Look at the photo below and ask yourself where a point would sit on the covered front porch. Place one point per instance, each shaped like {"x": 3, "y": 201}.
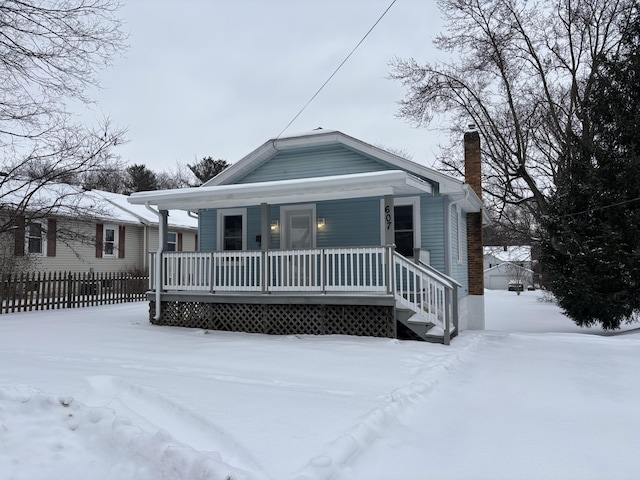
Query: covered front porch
{"x": 372, "y": 291}
{"x": 271, "y": 266}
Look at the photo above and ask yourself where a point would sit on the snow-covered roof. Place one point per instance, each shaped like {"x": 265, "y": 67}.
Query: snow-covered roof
{"x": 507, "y": 266}
{"x": 63, "y": 200}
{"x": 510, "y": 253}
{"x": 390, "y": 182}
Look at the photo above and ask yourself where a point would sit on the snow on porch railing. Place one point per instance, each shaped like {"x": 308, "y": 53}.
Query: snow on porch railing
{"x": 311, "y": 270}
{"x": 425, "y": 292}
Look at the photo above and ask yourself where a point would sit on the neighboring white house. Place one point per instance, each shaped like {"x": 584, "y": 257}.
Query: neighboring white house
{"x": 507, "y": 264}
{"x": 90, "y": 231}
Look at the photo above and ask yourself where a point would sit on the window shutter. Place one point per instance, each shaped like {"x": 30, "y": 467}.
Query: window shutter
{"x": 196, "y": 249}
{"x": 99, "y": 233}
{"x": 52, "y": 227}
{"x": 179, "y": 241}
{"x": 19, "y": 248}
{"x": 121, "y": 241}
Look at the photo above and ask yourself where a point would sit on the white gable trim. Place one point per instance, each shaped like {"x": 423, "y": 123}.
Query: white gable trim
{"x": 447, "y": 184}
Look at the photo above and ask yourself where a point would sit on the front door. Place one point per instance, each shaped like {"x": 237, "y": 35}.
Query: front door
{"x": 299, "y": 233}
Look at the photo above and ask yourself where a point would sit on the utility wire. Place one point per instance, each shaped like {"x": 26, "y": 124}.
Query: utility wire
{"x": 591, "y": 210}
{"x": 336, "y": 70}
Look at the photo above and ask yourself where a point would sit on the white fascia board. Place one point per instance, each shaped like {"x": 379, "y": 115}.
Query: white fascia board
{"x": 394, "y": 182}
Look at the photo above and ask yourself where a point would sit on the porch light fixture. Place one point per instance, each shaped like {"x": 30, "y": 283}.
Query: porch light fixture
{"x": 320, "y": 223}
{"x": 275, "y": 226}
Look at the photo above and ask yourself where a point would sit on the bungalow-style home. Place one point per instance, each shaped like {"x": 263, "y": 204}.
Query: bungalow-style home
{"x": 64, "y": 228}
{"x": 507, "y": 267}
{"x": 321, "y": 233}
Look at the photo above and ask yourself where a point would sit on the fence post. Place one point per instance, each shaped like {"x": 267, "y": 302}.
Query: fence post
{"x": 70, "y": 291}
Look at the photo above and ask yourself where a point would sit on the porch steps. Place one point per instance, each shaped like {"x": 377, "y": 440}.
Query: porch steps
{"x": 415, "y": 326}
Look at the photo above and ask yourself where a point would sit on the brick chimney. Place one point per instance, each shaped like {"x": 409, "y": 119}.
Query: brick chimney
{"x": 473, "y": 177}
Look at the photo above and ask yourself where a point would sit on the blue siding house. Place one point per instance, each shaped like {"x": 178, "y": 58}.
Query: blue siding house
{"x": 322, "y": 233}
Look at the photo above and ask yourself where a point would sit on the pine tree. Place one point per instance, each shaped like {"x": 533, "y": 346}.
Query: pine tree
{"x": 141, "y": 179}
{"x": 591, "y": 249}
{"x": 207, "y": 168}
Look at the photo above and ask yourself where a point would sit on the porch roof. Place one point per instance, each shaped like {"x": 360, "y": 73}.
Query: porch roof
{"x": 335, "y": 187}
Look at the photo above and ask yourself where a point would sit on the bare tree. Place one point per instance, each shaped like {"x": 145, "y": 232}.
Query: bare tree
{"x": 522, "y": 76}
{"x": 50, "y": 54}
{"x": 179, "y": 177}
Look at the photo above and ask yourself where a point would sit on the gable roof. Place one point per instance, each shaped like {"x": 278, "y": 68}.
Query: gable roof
{"x": 226, "y": 190}
{"x": 507, "y": 265}
{"x": 512, "y": 253}
{"x": 321, "y": 137}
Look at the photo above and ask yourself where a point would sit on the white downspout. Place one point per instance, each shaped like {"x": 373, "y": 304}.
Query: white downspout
{"x": 158, "y": 280}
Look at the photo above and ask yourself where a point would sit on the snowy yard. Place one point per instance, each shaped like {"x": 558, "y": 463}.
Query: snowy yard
{"x": 98, "y": 393}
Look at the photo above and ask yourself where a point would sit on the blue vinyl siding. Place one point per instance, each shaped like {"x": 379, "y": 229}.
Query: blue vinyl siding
{"x": 207, "y": 224}
{"x": 459, "y": 270}
{"x": 349, "y": 223}
{"x": 317, "y": 162}
{"x": 432, "y": 233}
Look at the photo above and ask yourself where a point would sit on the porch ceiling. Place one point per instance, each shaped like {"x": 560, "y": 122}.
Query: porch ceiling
{"x": 335, "y": 187}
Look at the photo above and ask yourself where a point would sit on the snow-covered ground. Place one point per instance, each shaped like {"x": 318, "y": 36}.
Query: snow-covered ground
{"x": 99, "y": 393}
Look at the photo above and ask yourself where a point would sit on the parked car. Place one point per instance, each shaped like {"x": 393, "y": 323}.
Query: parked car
{"x": 515, "y": 286}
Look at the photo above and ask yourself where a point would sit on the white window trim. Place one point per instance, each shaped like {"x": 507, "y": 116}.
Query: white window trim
{"x": 221, "y": 213}
{"x": 116, "y": 234}
{"x": 43, "y": 238}
{"x": 417, "y": 219}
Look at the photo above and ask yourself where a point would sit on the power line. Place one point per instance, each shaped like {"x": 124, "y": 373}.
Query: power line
{"x": 591, "y": 210}
{"x": 336, "y": 70}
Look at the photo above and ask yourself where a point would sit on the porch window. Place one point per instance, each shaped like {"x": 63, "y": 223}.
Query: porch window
{"x": 172, "y": 242}
{"x": 232, "y": 229}
{"x": 34, "y": 239}
{"x": 404, "y": 229}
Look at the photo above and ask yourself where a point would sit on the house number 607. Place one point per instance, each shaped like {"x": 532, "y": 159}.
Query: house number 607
{"x": 387, "y": 216}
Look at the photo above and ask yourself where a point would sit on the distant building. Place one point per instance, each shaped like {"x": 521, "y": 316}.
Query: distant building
{"x": 507, "y": 267}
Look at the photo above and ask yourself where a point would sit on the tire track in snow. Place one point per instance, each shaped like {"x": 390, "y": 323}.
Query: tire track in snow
{"x": 157, "y": 412}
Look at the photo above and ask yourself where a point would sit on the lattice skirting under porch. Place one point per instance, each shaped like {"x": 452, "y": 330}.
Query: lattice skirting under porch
{"x": 279, "y": 319}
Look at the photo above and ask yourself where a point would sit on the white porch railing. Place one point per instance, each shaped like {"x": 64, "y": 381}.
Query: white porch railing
{"x": 425, "y": 292}
{"x": 429, "y": 294}
{"x": 313, "y": 270}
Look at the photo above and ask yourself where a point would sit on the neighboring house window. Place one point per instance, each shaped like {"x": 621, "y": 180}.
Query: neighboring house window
{"x": 172, "y": 242}
{"x": 110, "y": 241}
{"x": 232, "y": 229}
{"x": 35, "y": 239}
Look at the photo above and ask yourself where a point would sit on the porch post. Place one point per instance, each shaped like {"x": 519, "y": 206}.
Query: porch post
{"x": 388, "y": 225}
{"x": 162, "y": 247}
{"x": 265, "y": 242}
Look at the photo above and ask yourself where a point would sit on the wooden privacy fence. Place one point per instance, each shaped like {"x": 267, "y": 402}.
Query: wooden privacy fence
{"x": 22, "y": 292}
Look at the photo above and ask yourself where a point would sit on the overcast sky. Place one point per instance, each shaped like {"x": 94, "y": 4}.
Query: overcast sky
{"x": 219, "y": 78}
